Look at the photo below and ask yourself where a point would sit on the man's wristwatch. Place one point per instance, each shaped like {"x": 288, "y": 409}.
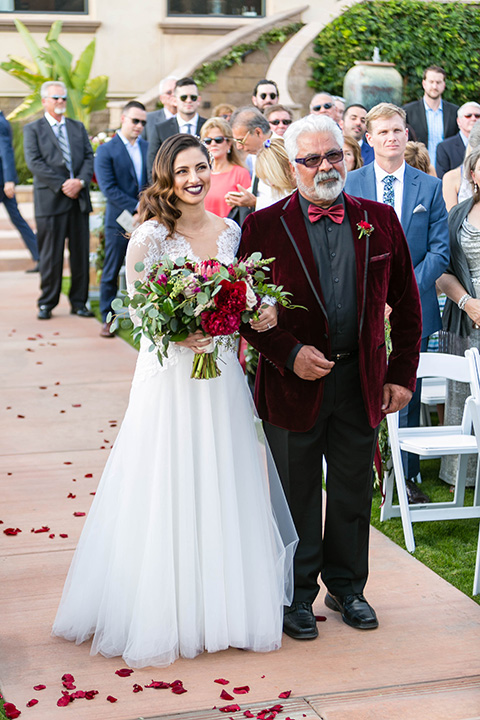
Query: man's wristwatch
{"x": 82, "y": 181}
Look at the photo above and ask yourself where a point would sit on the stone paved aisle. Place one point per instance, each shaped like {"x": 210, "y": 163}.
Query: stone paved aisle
{"x": 63, "y": 393}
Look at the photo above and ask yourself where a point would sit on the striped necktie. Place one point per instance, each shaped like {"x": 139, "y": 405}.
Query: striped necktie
{"x": 388, "y": 191}
{"x": 64, "y": 146}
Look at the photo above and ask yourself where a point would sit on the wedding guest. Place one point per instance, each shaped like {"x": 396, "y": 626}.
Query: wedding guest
{"x": 166, "y": 95}
{"x": 273, "y": 168}
{"x": 456, "y": 185}
{"x": 265, "y": 93}
{"x": 339, "y": 103}
{"x": 324, "y": 382}
{"x": 352, "y": 153}
{"x": 323, "y": 103}
{"x": 228, "y": 169}
{"x": 224, "y": 110}
{"x": 451, "y": 152}
{"x": 8, "y": 180}
{"x": 204, "y": 564}
{"x": 279, "y": 117}
{"x": 60, "y": 157}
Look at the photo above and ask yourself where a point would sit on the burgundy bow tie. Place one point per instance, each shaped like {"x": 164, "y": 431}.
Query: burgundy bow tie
{"x": 335, "y": 213}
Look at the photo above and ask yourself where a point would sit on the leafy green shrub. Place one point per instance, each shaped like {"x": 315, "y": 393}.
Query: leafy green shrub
{"x": 410, "y": 33}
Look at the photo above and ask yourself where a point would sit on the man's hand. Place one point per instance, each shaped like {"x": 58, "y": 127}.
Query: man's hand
{"x": 395, "y": 397}
{"x": 9, "y": 190}
{"x": 311, "y": 364}
{"x": 71, "y": 188}
{"x": 240, "y": 198}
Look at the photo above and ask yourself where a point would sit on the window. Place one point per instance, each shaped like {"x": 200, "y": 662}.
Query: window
{"x": 44, "y": 6}
{"x": 246, "y": 8}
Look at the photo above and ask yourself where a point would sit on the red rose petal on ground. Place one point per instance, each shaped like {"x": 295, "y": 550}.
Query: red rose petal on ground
{"x": 69, "y": 686}
{"x": 63, "y": 535}
{"x": 43, "y": 387}
{"x": 137, "y": 688}
{"x": 39, "y": 362}
{"x": 277, "y": 708}
{"x": 221, "y": 681}
{"x": 158, "y": 685}
{"x": 90, "y": 694}
{"x": 80, "y": 405}
{"x": 43, "y": 529}
{"x": 11, "y": 711}
{"x": 52, "y": 535}
{"x": 320, "y": 618}
{"x": 22, "y": 417}
{"x": 68, "y": 678}
{"x": 224, "y": 695}
{"x": 12, "y": 531}
{"x": 67, "y": 462}
{"x": 79, "y": 514}
{"x": 242, "y": 690}
{"x": 111, "y": 699}
{"x": 39, "y": 687}
{"x": 177, "y": 687}
{"x": 88, "y": 475}
{"x": 63, "y": 701}
{"x": 230, "y": 708}
{"x": 92, "y": 493}
{"x": 286, "y": 694}
{"x": 248, "y": 714}
{"x": 78, "y": 694}
{"x": 71, "y": 495}
{"x": 62, "y": 411}
{"x": 124, "y": 672}
{"x": 32, "y": 702}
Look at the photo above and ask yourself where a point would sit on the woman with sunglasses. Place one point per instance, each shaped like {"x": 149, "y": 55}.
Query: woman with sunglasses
{"x": 228, "y": 169}
{"x": 181, "y": 551}
{"x": 279, "y": 117}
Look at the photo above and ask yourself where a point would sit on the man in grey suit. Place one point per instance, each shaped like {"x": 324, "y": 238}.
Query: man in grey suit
{"x": 451, "y": 152}
{"x": 166, "y": 94}
{"x": 187, "y": 119}
{"x": 418, "y": 201}
{"x": 60, "y": 157}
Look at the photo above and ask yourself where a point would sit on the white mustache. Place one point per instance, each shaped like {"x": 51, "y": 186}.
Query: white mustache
{"x": 328, "y": 175}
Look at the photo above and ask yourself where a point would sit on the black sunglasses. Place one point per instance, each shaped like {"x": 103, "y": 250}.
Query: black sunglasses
{"x": 184, "y": 98}
{"x": 218, "y": 140}
{"x": 57, "y": 97}
{"x": 135, "y": 121}
{"x": 327, "y": 106}
{"x": 469, "y": 115}
{"x": 312, "y": 161}
{"x": 272, "y": 96}
{"x": 277, "y": 122}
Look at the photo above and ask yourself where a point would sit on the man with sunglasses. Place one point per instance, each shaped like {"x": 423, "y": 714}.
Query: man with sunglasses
{"x": 265, "y": 93}
{"x": 323, "y": 104}
{"x": 451, "y": 152}
{"x": 121, "y": 172}
{"x": 60, "y": 157}
{"x": 187, "y": 120}
{"x": 432, "y": 118}
{"x": 323, "y": 382}
{"x": 166, "y": 95}
{"x": 279, "y": 118}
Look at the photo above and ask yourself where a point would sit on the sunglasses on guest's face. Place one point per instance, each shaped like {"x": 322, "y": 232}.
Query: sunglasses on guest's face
{"x": 313, "y": 161}
{"x": 184, "y": 98}
{"x": 475, "y": 115}
{"x": 135, "y": 121}
{"x": 272, "y": 96}
{"x": 218, "y": 140}
{"x": 62, "y": 97}
{"x": 283, "y": 122}
{"x": 327, "y": 106}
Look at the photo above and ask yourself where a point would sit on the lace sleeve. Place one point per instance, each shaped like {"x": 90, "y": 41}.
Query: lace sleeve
{"x": 145, "y": 247}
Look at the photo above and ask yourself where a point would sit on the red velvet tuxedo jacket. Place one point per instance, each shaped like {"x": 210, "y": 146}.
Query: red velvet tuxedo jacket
{"x": 384, "y": 275}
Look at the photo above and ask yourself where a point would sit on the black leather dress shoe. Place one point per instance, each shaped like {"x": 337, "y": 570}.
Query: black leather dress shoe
{"x": 82, "y": 311}
{"x": 355, "y": 610}
{"x": 414, "y": 494}
{"x": 44, "y": 313}
{"x": 299, "y": 621}
{"x": 34, "y": 269}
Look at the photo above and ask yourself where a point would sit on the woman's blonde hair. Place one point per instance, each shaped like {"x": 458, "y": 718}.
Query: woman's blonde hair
{"x": 273, "y": 166}
{"x": 416, "y": 155}
{"x": 356, "y": 150}
{"x": 469, "y": 165}
{"x": 233, "y": 156}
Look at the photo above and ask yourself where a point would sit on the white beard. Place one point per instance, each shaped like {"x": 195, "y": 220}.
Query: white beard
{"x": 327, "y": 192}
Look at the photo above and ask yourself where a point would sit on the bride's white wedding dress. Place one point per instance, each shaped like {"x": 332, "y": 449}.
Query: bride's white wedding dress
{"x": 181, "y": 551}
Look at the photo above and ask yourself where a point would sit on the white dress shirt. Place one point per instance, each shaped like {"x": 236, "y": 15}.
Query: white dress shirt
{"x": 135, "y": 155}
{"x": 397, "y": 185}
{"x": 182, "y": 124}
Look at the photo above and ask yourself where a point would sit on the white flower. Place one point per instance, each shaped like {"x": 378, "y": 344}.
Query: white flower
{"x": 250, "y": 298}
{"x": 102, "y": 136}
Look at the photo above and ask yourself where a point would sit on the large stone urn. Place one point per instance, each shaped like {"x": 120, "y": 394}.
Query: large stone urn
{"x": 370, "y": 82}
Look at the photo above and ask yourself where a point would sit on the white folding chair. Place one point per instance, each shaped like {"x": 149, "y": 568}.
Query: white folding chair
{"x": 435, "y": 442}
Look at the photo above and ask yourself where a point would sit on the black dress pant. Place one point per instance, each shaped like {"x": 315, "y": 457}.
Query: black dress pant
{"x": 343, "y": 435}
{"x": 51, "y": 233}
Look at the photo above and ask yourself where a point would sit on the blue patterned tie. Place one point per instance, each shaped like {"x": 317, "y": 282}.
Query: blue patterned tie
{"x": 388, "y": 191}
{"x": 189, "y": 128}
{"x": 64, "y": 147}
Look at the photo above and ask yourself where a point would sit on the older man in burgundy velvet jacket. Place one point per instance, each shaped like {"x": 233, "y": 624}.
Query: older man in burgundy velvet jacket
{"x": 323, "y": 383}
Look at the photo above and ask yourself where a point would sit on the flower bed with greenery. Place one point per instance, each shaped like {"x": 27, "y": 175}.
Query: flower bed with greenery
{"x": 410, "y": 33}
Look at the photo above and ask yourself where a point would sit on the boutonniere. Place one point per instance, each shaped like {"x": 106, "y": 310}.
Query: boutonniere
{"x": 364, "y": 228}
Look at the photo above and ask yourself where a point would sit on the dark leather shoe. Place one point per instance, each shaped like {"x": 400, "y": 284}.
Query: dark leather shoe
{"x": 34, "y": 269}
{"x": 82, "y": 311}
{"x": 44, "y": 313}
{"x": 299, "y": 621}
{"x": 355, "y": 610}
{"x": 105, "y": 331}
{"x": 414, "y": 494}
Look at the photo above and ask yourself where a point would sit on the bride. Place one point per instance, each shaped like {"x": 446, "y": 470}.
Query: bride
{"x": 181, "y": 551}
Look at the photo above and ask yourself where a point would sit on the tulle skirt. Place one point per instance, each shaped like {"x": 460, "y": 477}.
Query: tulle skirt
{"x": 188, "y": 545}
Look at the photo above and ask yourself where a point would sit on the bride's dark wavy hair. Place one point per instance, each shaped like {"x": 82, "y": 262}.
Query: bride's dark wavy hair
{"x": 158, "y": 201}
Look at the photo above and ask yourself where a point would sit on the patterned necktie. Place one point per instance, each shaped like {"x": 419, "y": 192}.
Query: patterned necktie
{"x": 335, "y": 213}
{"x": 64, "y": 147}
{"x": 388, "y": 191}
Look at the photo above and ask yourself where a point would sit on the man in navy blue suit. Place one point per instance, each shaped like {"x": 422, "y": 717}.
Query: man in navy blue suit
{"x": 418, "y": 201}
{"x": 8, "y": 180}
{"x": 121, "y": 172}
{"x": 354, "y": 124}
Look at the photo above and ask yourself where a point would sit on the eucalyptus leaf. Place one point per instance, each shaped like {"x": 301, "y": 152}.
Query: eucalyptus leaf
{"x": 202, "y": 298}
{"x": 153, "y": 312}
{"x": 117, "y": 305}
{"x": 139, "y": 266}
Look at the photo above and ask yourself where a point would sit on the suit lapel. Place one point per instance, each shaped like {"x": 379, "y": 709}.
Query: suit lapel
{"x": 369, "y": 190}
{"x": 49, "y": 135}
{"x": 356, "y": 214}
{"x": 294, "y": 224}
{"x": 127, "y": 160}
{"x": 411, "y": 187}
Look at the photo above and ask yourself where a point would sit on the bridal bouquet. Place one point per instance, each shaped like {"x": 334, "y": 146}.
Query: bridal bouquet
{"x": 178, "y": 297}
